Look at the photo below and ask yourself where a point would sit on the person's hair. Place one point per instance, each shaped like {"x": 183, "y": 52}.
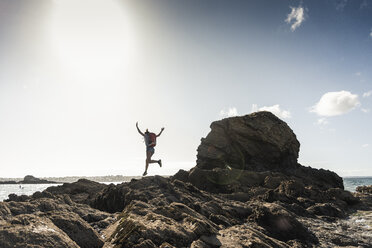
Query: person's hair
{"x": 147, "y": 131}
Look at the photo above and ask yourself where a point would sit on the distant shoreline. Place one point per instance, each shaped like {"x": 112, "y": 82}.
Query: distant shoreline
{"x": 71, "y": 179}
{"x": 110, "y": 178}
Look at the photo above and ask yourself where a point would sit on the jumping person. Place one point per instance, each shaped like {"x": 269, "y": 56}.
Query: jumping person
{"x": 150, "y": 142}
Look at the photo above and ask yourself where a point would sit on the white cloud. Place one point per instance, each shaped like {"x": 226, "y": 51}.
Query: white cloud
{"x": 322, "y": 121}
{"x": 229, "y": 113}
{"x": 365, "y": 110}
{"x": 296, "y": 17}
{"x": 358, "y": 73}
{"x": 370, "y": 34}
{"x": 365, "y": 145}
{"x": 275, "y": 109}
{"x": 367, "y": 94}
{"x": 336, "y": 103}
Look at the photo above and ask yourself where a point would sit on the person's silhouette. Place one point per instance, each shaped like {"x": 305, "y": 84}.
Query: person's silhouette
{"x": 150, "y": 142}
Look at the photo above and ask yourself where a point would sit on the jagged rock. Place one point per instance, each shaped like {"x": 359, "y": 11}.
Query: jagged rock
{"x": 17, "y": 198}
{"x": 250, "y": 151}
{"x": 258, "y": 141}
{"x": 33, "y": 231}
{"x": 291, "y": 188}
{"x": 82, "y": 191}
{"x": 54, "y": 214}
{"x": 166, "y": 245}
{"x": 44, "y": 194}
{"x": 77, "y": 229}
{"x": 272, "y": 182}
{"x": 364, "y": 189}
{"x": 199, "y": 244}
{"x": 175, "y": 224}
{"x": 326, "y": 209}
{"x": 247, "y": 236}
{"x": 145, "y": 244}
{"x": 342, "y": 195}
{"x": 280, "y": 224}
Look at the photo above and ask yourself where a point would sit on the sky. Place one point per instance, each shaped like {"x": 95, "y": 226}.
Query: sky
{"x": 75, "y": 77}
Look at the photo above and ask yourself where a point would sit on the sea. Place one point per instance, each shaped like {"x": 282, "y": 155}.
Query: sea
{"x": 350, "y": 184}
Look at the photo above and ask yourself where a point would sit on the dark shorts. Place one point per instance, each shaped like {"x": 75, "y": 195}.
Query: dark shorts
{"x": 150, "y": 149}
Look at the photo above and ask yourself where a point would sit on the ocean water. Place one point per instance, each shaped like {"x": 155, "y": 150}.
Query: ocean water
{"x": 27, "y": 189}
{"x": 350, "y": 184}
{"x": 24, "y": 189}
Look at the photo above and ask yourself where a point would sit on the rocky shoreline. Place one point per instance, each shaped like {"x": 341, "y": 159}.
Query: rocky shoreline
{"x": 246, "y": 190}
{"x": 29, "y": 180}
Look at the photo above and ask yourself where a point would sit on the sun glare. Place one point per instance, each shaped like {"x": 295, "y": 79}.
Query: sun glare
{"x": 92, "y": 38}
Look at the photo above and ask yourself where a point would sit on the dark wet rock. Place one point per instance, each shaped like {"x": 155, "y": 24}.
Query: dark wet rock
{"x": 44, "y": 194}
{"x": 82, "y": 191}
{"x": 342, "y": 195}
{"x": 259, "y": 142}
{"x": 166, "y": 245}
{"x": 280, "y": 224}
{"x": 364, "y": 189}
{"x": 256, "y": 150}
{"x": 34, "y": 180}
{"x": 326, "y": 209}
{"x": 146, "y": 244}
{"x": 77, "y": 229}
{"x": 17, "y": 198}
{"x": 54, "y": 220}
{"x": 175, "y": 224}
{"x": 247, "y": 236}
{"x": 33, "y": 231}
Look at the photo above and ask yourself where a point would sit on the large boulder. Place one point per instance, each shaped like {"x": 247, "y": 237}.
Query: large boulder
{"x": 259, "y": 141}
{"x": 253, "y": 150}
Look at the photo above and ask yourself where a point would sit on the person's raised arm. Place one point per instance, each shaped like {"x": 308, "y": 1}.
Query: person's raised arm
{"x": 139, "y": 129}
{"x": 162, "y": 129}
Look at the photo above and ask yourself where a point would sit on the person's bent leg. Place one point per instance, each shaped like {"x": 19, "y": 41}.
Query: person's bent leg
{"x": 148, "y": 159}
{"x": 149, "y": 155}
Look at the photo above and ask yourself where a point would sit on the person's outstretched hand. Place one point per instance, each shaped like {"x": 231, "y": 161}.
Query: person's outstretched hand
{"x": 162, "y": 128}
{"x": 137, "y": 124}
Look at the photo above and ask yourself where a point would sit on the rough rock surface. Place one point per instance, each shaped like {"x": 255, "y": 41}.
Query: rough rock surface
{"x": 32, "y": 231}
{"x": 83, "y": 191}
{"x": 241, "y": 151}
{"x": 247, "y": 190}
{"x": 364, "y": 189}
{"x": 46, "y": 220}
{"x": 260, "y": 141}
